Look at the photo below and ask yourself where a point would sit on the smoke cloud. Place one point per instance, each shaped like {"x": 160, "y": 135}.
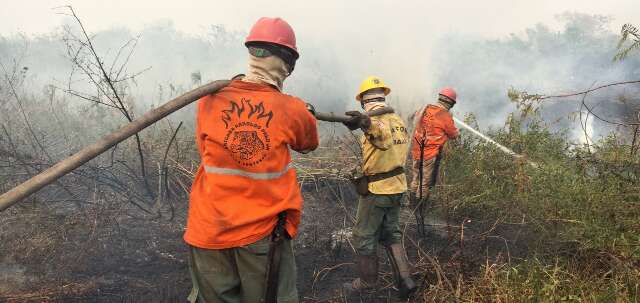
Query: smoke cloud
{"x": 417, "y": 47}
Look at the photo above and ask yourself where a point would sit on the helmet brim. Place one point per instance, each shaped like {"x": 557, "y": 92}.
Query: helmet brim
{"x": 254, "y": 42}
{"x": 446, "y": 98}
{"x": 387, "y": 91}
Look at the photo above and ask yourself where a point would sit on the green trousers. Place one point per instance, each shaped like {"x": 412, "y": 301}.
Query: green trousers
{"x": 236, "y": 275}
{"x": 377, "y": 220}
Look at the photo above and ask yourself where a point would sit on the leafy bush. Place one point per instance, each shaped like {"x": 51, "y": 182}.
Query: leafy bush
{"x": 570, "y": 220}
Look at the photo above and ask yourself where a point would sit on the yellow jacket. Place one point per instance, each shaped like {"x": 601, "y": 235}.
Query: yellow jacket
{"x": 384, "y": 148}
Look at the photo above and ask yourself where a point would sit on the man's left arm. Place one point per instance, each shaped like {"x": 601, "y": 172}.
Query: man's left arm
{"x": 305, "y": 130}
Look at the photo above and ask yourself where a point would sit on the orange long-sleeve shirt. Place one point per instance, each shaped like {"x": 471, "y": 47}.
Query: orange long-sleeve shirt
{"x": 244, "y": 133}
{"x": 433, "y": 128}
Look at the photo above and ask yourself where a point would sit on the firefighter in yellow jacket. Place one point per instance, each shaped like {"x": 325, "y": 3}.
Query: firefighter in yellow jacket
{"x": 384, "y": 146}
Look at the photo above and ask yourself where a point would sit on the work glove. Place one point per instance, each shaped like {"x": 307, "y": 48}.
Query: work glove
{"x": 358, "y": 120}
{"x": 311, "y": 109}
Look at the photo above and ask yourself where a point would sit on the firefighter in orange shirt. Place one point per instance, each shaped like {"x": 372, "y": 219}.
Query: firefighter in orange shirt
{"x": 433, "y": 127}
{"x": 245, "y": 202}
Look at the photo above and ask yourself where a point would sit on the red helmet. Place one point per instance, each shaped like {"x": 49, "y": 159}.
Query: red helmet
{"x": 449, "y": 93}
{"x": 273, "y": 30}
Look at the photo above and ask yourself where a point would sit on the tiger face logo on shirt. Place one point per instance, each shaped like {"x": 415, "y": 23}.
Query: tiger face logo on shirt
{"x": 247, "y": 138}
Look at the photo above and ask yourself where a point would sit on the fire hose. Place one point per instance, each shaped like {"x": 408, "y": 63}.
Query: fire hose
{"x": 91, "y": 151}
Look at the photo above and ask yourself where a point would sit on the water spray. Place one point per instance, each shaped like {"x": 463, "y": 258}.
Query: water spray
{"x": 487, "y": 139}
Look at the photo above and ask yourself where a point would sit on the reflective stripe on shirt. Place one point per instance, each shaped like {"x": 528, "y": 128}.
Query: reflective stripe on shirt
{"x": 242, "y": 173}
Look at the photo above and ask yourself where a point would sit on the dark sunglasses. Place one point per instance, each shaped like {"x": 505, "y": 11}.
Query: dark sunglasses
{"x": 267, "y": 50}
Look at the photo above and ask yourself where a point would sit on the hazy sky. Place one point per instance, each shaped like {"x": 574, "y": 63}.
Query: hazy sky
{"x": 328, "y": 17}
{"x": 388, "y": 38}
{"x": 392, "y": 39}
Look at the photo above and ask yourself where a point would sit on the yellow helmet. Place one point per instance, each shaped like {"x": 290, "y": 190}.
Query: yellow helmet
{"x": 370, "y": 83}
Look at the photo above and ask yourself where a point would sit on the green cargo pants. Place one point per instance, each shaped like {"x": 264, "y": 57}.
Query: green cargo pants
{"x": 377, "y": 220}
{"x": 236, "y": 275}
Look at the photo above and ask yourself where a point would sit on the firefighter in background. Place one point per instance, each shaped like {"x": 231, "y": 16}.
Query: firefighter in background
{"x": 433, "y": 127}
{"x": 245, "y": 202}
{"x": 384, "y": 146}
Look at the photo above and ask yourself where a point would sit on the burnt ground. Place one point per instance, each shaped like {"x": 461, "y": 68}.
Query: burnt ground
{"x": 103, "y": 252}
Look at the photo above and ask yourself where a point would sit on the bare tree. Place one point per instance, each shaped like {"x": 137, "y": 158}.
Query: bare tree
{"x": 109, "y": 80}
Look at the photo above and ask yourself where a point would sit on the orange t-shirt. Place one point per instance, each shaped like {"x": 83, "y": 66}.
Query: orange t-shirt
{"x": 436, "y": 124}
{"x": 245, "y": 178}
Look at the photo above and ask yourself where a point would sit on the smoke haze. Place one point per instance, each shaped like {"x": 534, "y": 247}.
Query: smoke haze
{"x": 416, "y": 46}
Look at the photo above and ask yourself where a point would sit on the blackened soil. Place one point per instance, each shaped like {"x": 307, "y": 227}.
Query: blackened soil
{"x": 107, "y": 252}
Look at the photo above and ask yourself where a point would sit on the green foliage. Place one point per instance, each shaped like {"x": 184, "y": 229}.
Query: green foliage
{"x": 535, "y": 280}
{"x": 628, "y": 33}
{"x": 576, "y": 215}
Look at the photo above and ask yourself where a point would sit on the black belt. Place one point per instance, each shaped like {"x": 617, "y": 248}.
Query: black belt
{"x": 386, "y": 175}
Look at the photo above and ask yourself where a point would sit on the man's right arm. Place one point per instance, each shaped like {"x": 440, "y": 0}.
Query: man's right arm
{"x": 379, "y": 134}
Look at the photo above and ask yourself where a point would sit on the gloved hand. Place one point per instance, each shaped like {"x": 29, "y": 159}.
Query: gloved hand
{"x": 311, "y": 109}
{"x": 358, "y": 120}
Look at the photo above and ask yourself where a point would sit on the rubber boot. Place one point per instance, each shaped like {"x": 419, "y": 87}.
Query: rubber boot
{"x": 401, "y": 272}
{"x": 366, "y": 283}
